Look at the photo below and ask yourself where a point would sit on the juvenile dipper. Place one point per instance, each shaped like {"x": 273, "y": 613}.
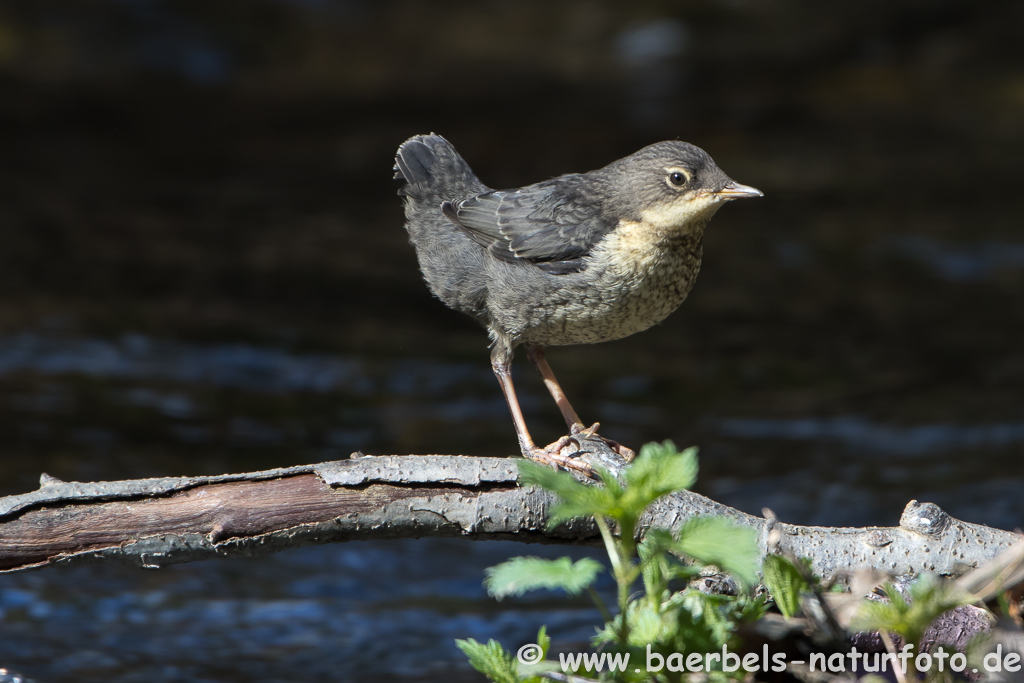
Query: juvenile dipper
{"x": 578, "y": 259}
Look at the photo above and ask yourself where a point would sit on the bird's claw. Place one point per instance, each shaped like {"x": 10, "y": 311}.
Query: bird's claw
{"x": 625, "y": 452}
{"x": 585, "y": 432}
{"x": 590, "y": 432}
{"x": 552, "y": 455}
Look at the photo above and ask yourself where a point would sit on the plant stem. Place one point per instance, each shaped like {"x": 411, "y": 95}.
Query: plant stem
{"x": 609, "y": 545}
{"x": 621, "y": 570}
{"x": 605, "y": 614}
{"x": 898, "y": 670}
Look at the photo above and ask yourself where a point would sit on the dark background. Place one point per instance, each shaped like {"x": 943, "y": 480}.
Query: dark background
{"x": 203, "y": 269}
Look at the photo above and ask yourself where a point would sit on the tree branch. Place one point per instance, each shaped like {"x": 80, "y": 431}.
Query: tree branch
{"x": 156, "y": 522}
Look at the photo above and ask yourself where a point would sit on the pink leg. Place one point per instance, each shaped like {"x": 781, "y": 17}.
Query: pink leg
{"x": 550, "y": 455}
{"x": 576, "y": 426}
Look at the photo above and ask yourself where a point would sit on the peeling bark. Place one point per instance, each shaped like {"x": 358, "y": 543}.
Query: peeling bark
{"x": 155, "y": 522}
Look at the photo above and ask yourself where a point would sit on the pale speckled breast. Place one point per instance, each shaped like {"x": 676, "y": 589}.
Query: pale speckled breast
{"x": 633, "y": 281}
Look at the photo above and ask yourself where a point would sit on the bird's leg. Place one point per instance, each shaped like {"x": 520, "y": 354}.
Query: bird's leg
{"x": 551, "y": 455}
{"x": 576, "y": 426}
{"x": 536, "y": 354}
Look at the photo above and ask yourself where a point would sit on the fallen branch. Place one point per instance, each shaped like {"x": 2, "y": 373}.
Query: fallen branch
{"x": 155, "y": 522}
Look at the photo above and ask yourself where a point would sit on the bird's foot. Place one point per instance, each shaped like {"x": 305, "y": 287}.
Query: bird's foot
{"x": 552, "y": 455}
{"x": 579, "y": 431}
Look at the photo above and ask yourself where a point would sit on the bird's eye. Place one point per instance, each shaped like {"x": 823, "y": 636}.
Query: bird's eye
{"x": 677, "y": 179}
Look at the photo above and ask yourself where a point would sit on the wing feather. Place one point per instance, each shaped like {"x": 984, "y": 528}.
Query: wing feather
{"x": 553, "y": 224}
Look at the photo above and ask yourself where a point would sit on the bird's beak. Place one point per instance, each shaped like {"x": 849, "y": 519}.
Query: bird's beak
{"x": 734, "y": 190}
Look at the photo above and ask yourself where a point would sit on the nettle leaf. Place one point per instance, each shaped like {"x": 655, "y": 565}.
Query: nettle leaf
{"x": 691, "y": 634}
{"x": 522, "y": 574}
{"x": 576, "y": 499}
{"x": 557, "y": 481}
{"x": 659, "y": 470}
{"x": 751, "y": 609}
{"x": 655, "y": 564}
{"x": 723, "y": 543}
{"x": 930, "y": 597}
{"x": 716, "y": 611}
{"x": 492, "y": 660}
{"x": 646, "y": 624}
{"x": 785, "y": 582}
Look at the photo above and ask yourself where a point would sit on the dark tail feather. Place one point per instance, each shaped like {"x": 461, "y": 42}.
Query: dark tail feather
{"x": 433, "y": 170}
{"x": 413, "y": 161}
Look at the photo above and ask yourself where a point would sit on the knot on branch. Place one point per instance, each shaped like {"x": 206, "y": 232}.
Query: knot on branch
{"x": 927, "y": 519}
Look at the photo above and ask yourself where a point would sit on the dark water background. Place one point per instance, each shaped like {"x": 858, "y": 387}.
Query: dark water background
{"x": 203, "y": 270}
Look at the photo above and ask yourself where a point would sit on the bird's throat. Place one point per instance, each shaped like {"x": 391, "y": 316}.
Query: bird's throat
{"x": 640, "y": 249}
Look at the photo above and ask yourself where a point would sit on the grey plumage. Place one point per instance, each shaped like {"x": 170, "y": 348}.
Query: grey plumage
{"x": 581, "y": 258}
{"x": 553, "y": 224}
{"x": 453, "y": 266}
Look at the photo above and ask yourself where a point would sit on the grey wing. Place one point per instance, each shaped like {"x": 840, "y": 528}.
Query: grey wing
{"x": 552, "y": 224}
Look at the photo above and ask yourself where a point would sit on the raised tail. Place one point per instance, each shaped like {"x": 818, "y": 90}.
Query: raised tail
{"x": 433, "y": 171}
{"x": 453, "y": 264}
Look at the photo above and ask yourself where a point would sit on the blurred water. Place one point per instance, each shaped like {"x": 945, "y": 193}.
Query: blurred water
{"x": 964, "y": 262}
{"x": 340, "y": 612}
{"x": 865, "y": 438}
{"x": 137, "y": 357}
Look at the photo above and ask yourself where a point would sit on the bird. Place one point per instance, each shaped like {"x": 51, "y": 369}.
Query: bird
{"x": 581, "y": 258}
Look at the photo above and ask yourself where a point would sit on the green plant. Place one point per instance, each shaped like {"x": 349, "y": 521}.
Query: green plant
{"x": 787, "y": 582}
{"x": 499, "y": 665}
{"x": 658, "y": 621}
{"x": 930, "y": 597}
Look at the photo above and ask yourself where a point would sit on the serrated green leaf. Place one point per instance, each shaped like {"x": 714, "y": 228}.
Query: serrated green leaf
{"x": 556, "y": 481}
{"x": 657, "y": 471}
{"x": 752, "y": 609}
{"x": 930, "y": 597}
{"x": 785, "y": 582}
{"x": 661, "y": 469}
{"x": 654, "y": 562}
{"x": 492, "y": 660}
{"x": 691, "y": 633}
{"x": 723, "y": 543}
{"x": 575, "y": 499}
{"x": 657, "y": 541}
{"x": 645, "y": 623}
{"x": 715, "y": 611}
{"x": 522, "y": 574}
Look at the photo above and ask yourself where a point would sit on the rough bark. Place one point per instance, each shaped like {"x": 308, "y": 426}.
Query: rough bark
{"x": 155, "y": 522}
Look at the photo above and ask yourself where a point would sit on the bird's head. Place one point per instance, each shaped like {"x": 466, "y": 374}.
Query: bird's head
{"x": 671, "y": 185}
